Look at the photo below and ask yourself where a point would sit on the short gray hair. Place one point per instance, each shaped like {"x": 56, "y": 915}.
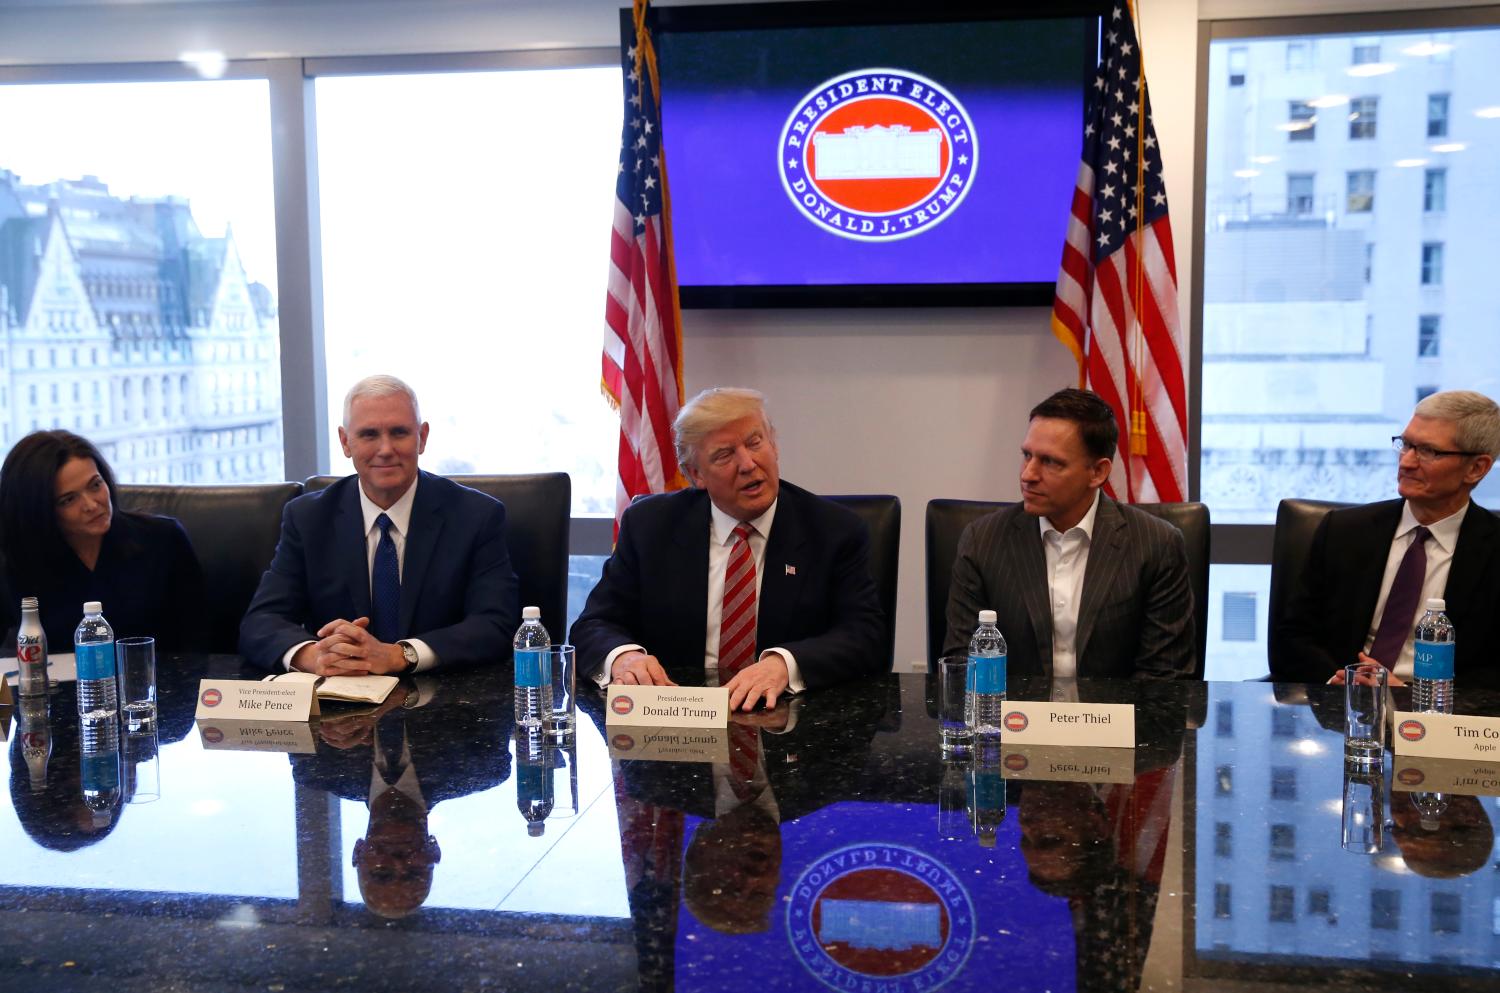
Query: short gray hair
{"x": 711, "y": 410}
{"x": 1475, "y": 415}
{"x": 380, "y": 385}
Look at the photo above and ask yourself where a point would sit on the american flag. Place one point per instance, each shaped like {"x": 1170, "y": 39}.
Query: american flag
{"x": 643, "y": 327}
{"x": 1116, "y": 302}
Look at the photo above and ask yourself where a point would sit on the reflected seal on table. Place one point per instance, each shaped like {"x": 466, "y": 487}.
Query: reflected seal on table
{"x": 880, "y": 915}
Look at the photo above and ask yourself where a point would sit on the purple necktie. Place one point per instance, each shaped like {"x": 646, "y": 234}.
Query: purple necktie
{"x": 1401, "y": 604}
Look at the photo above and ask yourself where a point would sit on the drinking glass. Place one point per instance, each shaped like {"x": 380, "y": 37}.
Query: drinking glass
{"x": 135, "y": 661}
{"x": 1364, "y": 714}
{"x": 953, "y": 698}
{"x": 559, "y": 722}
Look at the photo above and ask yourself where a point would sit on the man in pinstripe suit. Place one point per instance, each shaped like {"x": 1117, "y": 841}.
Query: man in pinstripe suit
{"x": 1083, "y": 586}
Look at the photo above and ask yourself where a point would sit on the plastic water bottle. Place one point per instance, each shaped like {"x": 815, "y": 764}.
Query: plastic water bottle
{"x": 533, "y": 680}
{"x": 986, "y": 791}
{"x": 94, "y": 648}
{"x": 534, "y": 789}
{"x": 986, "y": 696}
{"x": 31, "y": 650}
{"x": 99, "y": 754}
{"x": 1432, "y": 683}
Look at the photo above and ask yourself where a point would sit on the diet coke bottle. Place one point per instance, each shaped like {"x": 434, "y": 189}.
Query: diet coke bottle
{"x": 31, "y": 651}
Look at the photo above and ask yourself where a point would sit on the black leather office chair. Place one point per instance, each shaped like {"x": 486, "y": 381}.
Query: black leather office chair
{"x": 234, "y": 529}
{"x": 538, "y": 511}
{"x": 946, "y": 520}
{"x": 882, "y": 515}
{"x": 1296, "y": 521}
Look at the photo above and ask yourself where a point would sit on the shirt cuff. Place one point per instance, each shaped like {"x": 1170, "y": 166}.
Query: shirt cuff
{"x": 286, "y": 660}
{"x": 794, "y": 681}
{"x": 426, "y": 657}
{"x": 602, "y": 676}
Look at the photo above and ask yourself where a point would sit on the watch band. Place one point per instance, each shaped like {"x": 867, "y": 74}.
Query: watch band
{"x": 408, "y": 652}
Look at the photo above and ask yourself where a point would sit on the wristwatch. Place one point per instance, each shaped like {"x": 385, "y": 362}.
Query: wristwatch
{"x": 409, "y": 653}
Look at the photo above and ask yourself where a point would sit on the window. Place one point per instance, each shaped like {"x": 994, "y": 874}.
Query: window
{"x": 1432, "y": 263}
{"x": 1283, "y": 905}
{"x": 1238, "y": 57}
{"x": 1222, "y": 908}
{"x": 1385, "y": 910}
{"x": 1369, "y": 261}
{"x": 1299, "y": 193}
{"x": 1319, "y": 903}
{"x": 1360, "y": 198}
{"x": 1437, "y": 115}
{"x": 1429, "y": 336}
{"x": 1224, "y": 780}
{"x": 201, "y": 150}
{"x": 1283, "y": 842}
{"x": 1435, "y": 190}
{"x": 1366, "y": 52}
{"x": 1283, "y": 723}
{"x": 1297, "y": 56}
{"x": 482, "y": 247}
{"x": 1423, "y": 392}
{"x": 1283, "y": 783}
{"x": 1223, "y": 839}
{"x": 1362, "y": 117}
{"x": 1447, "y": 913}
{"x": 1301, "y": 121}
{"x": 1224, "y": 719}
{"x": 1239, "y": 616}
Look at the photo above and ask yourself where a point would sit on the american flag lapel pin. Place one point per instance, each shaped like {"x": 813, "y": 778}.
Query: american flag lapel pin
{"x": 791, "y": 570}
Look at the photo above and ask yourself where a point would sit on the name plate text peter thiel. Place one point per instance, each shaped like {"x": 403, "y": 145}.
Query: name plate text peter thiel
{"x": 668, "y": 706}
{"x": 1447, "y": 736}
{"x": 1083, "y": 725}
{"x": 252, "y": 700}
{"x": 1067, "y": 763}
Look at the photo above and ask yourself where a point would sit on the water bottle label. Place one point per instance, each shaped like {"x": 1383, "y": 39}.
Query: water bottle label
{"x": 1434, "y": 660}
{"x": 101, "y": 771}
{"x": 986, "y": 790}
{"x": 96, "y": 661}
{"x": 532, "y": 668}
{"x": 986, "y": 674}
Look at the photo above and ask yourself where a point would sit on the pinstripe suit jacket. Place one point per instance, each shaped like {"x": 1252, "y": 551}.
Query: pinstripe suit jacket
{"x": 1136, "y": 616}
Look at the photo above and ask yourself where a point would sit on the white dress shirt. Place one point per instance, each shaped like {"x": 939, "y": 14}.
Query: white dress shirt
{"x": 1440, "y": 548}
{"x": 1067, "y": 561}
{"x": 720, "y": 542}
{"x": 400, "y": 515}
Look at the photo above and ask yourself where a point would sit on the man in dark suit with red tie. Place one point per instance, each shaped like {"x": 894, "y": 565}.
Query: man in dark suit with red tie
{"x": 744, "y": 578}
{"x": 1370, "y": 569}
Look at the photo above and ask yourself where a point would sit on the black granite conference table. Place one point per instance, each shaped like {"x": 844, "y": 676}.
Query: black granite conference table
{"x": 420, "y": 846}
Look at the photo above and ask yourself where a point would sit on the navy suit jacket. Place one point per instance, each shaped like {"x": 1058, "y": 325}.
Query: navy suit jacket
{"x": 817, "y": 599}
{"x": 1135, "y": 615}
{"x": 458, "y": 591}
{"x": 1333, "y": 604}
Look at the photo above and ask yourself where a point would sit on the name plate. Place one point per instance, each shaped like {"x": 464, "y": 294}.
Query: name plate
{"x": 1086, "y": 725}
{"x": 670, "y": 744}
{"x": 668, "y": 706}
{"x": 1447, "y": 736}
{"x": 252, "y": 700}
{"x": 1415, "y": 773}
{"x": 1067, "y": 763}
{"x": 257, "y": 736}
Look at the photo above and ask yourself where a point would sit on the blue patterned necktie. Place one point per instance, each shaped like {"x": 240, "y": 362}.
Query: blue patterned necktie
{"x": 385, "y": 586}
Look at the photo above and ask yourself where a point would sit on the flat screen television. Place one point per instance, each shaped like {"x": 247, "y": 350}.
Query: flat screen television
{"x": 837, "y": 154}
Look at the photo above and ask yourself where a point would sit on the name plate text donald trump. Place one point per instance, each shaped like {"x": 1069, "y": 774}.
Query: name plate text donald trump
{"x": 668, "y": 706}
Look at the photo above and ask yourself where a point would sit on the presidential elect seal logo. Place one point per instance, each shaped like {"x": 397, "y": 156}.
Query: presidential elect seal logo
{"x": 212, "y": 697}
{"x": 622, "y": 705}
{"x": 1412, "y": 730}
{"x": 1016, "y": 721}
{"x": 880, "y": 916}
{"x": 878, "y": 154}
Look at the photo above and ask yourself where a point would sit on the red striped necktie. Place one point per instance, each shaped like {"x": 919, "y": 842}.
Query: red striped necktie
{"x": 737, "y": 620}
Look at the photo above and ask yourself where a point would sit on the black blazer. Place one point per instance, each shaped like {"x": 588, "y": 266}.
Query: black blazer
{"x": 147, "y": 578}
{"x": 1135, "y": 618}
{"x": 817, "y": 599}
{"x": 1333, "y": 603}
{"x": 458, "y": 592}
